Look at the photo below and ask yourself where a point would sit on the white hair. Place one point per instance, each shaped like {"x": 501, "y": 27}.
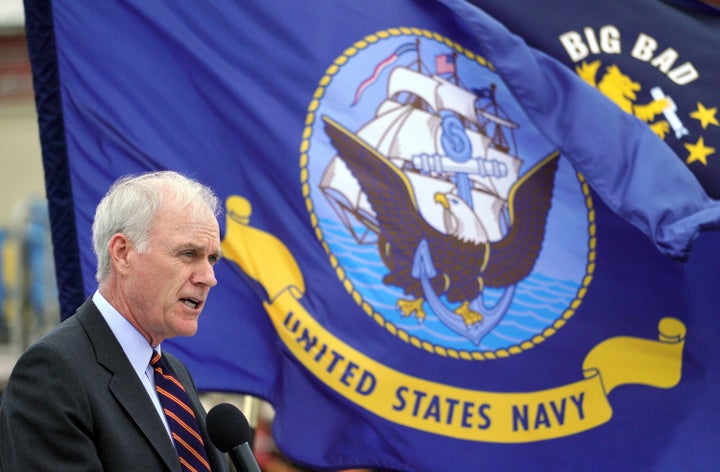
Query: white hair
{"x": 131, "y": 204}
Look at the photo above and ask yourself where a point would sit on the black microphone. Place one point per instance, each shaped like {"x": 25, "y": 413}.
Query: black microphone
{"x": 230, "y": 432}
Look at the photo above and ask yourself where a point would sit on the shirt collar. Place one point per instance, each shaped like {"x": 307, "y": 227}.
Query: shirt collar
{"x": 135, "y": 346}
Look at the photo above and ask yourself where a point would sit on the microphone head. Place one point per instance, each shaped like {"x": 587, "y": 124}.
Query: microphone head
{"x": 227, "y": 427}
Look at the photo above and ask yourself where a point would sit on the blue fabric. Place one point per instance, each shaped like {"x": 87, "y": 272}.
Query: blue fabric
{"x": 599, "y": 354}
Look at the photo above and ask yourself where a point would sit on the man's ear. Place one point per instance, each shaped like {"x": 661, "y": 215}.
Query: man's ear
{"x": 119, "y": 251}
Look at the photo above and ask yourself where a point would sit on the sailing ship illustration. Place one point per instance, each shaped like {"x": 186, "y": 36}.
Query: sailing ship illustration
{"x": 440, "y": 141}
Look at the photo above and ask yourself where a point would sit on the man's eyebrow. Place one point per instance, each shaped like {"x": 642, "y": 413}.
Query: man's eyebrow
{"x": 189, "y": 246}
{"x": 198, "y": 248}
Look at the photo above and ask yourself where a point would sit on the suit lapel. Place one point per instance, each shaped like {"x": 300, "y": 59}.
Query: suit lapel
{"x": 125, "y": 385}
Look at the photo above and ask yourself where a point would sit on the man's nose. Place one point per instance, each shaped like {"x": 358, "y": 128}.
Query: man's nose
{"x": 205, "y": 274}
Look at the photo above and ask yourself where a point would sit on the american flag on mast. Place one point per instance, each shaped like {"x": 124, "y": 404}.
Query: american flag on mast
{"x": 445, "y": 64}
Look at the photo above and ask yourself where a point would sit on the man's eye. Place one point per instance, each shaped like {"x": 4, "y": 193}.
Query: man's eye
{"x": 213, "y": 259}
{"x": 189, "y": 254}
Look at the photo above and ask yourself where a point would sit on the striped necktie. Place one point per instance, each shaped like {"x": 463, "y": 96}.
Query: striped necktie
{"x": 181, "y": 419}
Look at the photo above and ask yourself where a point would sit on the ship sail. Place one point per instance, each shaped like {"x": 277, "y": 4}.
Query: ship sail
{"x": 408, "y": 129}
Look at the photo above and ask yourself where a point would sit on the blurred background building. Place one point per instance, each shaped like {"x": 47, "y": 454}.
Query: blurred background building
{"x": 28, "y": 294}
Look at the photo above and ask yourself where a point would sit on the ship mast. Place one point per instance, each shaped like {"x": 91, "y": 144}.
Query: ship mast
{"x": 455, "y": 74}
{"x": 498, "y": 138}
{"x": 417, "y": 51}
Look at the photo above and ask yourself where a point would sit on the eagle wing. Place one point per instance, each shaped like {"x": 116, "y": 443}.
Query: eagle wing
{"x": 386, "y": 187}
{"x": 513, "y": 257}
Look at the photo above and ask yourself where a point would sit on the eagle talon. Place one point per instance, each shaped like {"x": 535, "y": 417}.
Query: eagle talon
{"x": 469, "y": 316}
{"x": 408, "y": 307}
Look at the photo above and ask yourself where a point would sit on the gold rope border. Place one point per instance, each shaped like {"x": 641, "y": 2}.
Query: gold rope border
{"x": 357, "y": 297}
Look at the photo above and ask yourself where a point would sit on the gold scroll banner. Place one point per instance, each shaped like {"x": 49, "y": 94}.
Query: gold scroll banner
{"x": 435, "y": 407}
{"x": 476, "y": 415}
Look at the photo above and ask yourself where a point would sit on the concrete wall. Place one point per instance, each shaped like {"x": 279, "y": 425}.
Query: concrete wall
{"x": 21, "y": 175}
{"x": 21, "y": 171}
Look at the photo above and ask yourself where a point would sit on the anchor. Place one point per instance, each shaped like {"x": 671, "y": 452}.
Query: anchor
{"x": 423, "y": 269}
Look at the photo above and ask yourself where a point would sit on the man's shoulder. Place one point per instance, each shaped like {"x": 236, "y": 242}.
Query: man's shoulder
{"x": 67, "y": 339}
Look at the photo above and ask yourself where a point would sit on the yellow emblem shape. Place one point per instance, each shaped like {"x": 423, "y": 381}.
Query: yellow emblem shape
{"x": 260, "y": 255}
{"x": 496, "y": 417}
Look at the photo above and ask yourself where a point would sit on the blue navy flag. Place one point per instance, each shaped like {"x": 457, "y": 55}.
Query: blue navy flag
{"x": 655, "y": 59}
{"x": 443, "y": 249}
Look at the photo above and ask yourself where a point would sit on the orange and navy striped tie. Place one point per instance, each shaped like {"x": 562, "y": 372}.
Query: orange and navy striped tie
{"x": 181, "y": 419}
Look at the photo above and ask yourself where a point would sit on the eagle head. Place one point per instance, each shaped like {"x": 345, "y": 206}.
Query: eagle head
{"x": 460, "y": 220}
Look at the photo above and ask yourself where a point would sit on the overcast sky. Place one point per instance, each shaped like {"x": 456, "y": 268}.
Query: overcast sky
{"x": 11, "y": 13}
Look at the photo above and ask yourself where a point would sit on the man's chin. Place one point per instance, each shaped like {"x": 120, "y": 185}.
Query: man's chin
{"x": 187, "y": 329}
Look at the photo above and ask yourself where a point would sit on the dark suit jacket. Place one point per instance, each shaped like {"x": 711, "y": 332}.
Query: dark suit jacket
{"x": 74, "y": 403}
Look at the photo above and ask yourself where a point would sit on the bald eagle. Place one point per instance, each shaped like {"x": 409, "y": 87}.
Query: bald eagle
{"x": 464, "y": 259}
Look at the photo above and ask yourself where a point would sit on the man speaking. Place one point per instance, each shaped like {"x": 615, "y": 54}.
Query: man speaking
{"x": 98, "y": 393}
